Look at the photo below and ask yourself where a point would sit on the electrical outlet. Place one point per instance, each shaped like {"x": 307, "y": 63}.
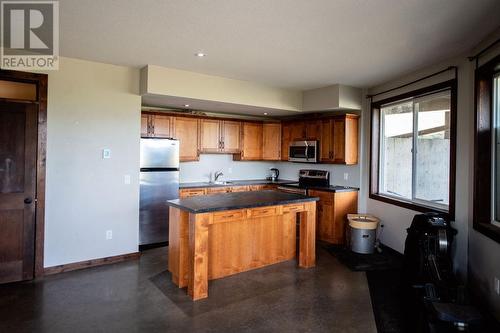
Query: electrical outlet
{"x": 497, "y": 286}
{"x": 126, "y": 179}
{"x": 106, "y": 153}
{"x": 109, "y": 234}
{"x": 346, "y": 176}
{"x": 229, "y": 170}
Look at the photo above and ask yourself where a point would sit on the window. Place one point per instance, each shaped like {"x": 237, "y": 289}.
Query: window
{"x": 487, "y": 149}
{"x": 412, "y": 147}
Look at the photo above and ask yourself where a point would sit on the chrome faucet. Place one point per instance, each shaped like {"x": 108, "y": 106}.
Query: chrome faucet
{"x": 217, "y": 174}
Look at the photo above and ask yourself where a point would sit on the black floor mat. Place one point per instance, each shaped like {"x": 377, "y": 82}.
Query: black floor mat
{"x": 387, "y": 259}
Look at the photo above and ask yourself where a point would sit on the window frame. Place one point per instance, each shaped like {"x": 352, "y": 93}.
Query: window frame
{"x": 483, "y": 219}
{"x": 375, "y": 145}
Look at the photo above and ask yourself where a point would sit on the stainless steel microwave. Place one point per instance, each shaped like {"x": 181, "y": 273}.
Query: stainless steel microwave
{"x": 304, "y": 151}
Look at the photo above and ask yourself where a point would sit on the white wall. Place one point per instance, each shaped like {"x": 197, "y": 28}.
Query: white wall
{"x": 200, "y": 171}
{"x": 91, "y": 106}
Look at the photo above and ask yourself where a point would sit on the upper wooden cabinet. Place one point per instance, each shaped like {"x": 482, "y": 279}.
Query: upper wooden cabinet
{"x": 271, "y": 141}
{"x": 156, "y": 125}
{"x": 186, "y": 130}
{"x": 286, "y": 128}
{"x": 219, "y": 136}
{"x": 251, "y": 142}
{"x": 231, "y": 136}
{"x": 297, "y": 130}
{"x": 313, "y": 130}
{"x": 339, "y": 140}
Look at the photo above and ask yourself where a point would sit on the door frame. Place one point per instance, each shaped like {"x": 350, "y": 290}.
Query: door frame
{"x": 40, "y": 80}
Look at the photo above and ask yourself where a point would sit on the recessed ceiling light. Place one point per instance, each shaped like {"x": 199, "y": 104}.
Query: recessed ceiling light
{"x": 186, "y": 105}
{"x": 200, "y": 54}
{"x": 265, "y": 113}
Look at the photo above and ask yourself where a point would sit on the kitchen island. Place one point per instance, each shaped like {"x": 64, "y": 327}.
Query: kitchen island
{"x": 214, "y": 236}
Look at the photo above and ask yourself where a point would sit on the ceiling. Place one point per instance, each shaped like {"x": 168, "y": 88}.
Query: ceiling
{"x": 285, "y": 43}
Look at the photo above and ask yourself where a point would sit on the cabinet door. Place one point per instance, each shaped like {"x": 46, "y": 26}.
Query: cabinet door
{"x": 351, "y": 140}
{"x": 252, "y": 141}
{"x": 313, "y": 130}
{"x": 144, "y": 125}
{"x": 325, "y": 150}
{"x": 325, "y": 215}
{"x": 218, "y": 190}
{"x": 231, "y": 136}
{"x": 162, "y": 126}
{"x": 285, "y": 140}
{"x": 297, "y": 131}
{"x": 186, "y": 131}
{"x": 271, "y": 141}
{"x": 210, "y": 136}
{"x": 191, "y": 192}
{"x": 240, "y": 188}
{"x": 339, "y": 140}
{"x": 344, "y": 203}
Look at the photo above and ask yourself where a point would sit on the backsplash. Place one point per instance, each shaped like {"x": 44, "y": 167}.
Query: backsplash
{"x": 200, "y": 171}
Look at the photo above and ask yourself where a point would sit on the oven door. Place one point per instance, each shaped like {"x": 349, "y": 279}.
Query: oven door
{"x": 303, "y": 151}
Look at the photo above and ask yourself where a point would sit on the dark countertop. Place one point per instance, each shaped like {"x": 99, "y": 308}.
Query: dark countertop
{"x": 237, "y": 200}
{"x": 237, "y": 183}
{"x": 334, "y": 188}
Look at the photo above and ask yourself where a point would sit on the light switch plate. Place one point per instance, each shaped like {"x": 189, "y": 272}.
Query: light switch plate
{"x": 126, "y": 179}
{"x": 109, "y": 234}
{"x": 346, "y": 176}
{"x": 106, "y": 153}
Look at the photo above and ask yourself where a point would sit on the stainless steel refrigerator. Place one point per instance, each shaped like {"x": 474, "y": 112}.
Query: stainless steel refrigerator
{"x": 159, "y": 182}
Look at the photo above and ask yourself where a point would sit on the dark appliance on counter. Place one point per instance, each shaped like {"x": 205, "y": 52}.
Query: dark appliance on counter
{"x": 275, "y": 173}
{"x": 305, "y": 151}
{"x": 159, "y": 182}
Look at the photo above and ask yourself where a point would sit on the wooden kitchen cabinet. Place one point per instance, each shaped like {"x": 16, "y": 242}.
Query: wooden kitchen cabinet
{"x": 156, "y": 125}
{"x": 192, "y": 192}
{"x": 313, "y": 130}
{"x": 285, "y": 139}
{"x": 230, "y": 136}
{"x": 187, "y": 132}
{"x": 251, "y": 142}
{"x": 331, "y": 214}
{"x": 297, "y": 131}
{"x": 271, "y": 141}
{"x": 339, "y": 140}
{"x": 210, "y": 136}
{"x": 217, "y": 190}
{"x": 219, "y": 136}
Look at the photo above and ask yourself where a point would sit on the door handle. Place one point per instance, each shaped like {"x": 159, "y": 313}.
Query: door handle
{"x": 28, "y": 200}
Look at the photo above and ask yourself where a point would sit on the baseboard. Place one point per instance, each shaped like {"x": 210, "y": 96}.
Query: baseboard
{"x": 91, "y": 263}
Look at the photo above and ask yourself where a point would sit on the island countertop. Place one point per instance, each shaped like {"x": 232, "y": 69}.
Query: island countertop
{"x": 237, "y": 200}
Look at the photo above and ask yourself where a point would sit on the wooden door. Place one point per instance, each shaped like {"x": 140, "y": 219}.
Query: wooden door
{"x": 285, "y": 140}
{"x": 210, "y": 136}
{"x": 252, "y": 141}
{"x": 231, "y": 136}
{"x": 186, "y": 131}
{"x": 161, "y": 126}
{"x": 18, "y": 141}
{"x": 145, "y": 125}
{"x": 339, "y": 140}
{"x": 313, "y": 130}
{"x": 271, "y": 141}
{"x": 325, "y": 150}
{"x": 297, "y": 131}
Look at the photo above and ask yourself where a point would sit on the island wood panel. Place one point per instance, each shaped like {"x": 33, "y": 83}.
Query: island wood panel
{"x": 271, "y": 141}
{"x": 178, "y": 246}
{"x": 186, "y": 130}
{"x": 224, "y": 243}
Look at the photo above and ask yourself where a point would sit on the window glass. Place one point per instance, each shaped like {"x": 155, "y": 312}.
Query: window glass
{"x": 432, "y": 156}
{"x": 396, "y": 149}
{"x": 496, "y": 148}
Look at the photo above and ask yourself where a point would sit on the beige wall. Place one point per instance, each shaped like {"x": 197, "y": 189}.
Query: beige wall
{"x": 158, "y": 80}
{"x": 475, "y": 256}
{"x": 91, "y": 106}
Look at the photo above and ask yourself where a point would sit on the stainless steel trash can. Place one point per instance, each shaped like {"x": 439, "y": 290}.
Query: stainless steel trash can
{"x": 363, "y": 229}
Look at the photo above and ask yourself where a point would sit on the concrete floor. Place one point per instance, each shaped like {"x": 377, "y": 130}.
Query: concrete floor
{"x": 139, "y": 296}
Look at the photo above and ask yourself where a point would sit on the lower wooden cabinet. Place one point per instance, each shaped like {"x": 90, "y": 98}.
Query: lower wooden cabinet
{"x": 331, "y": 214}
{"x": 192, "y": 192}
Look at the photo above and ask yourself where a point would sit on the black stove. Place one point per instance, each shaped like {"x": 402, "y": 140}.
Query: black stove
{"x": 308, "y": 179}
